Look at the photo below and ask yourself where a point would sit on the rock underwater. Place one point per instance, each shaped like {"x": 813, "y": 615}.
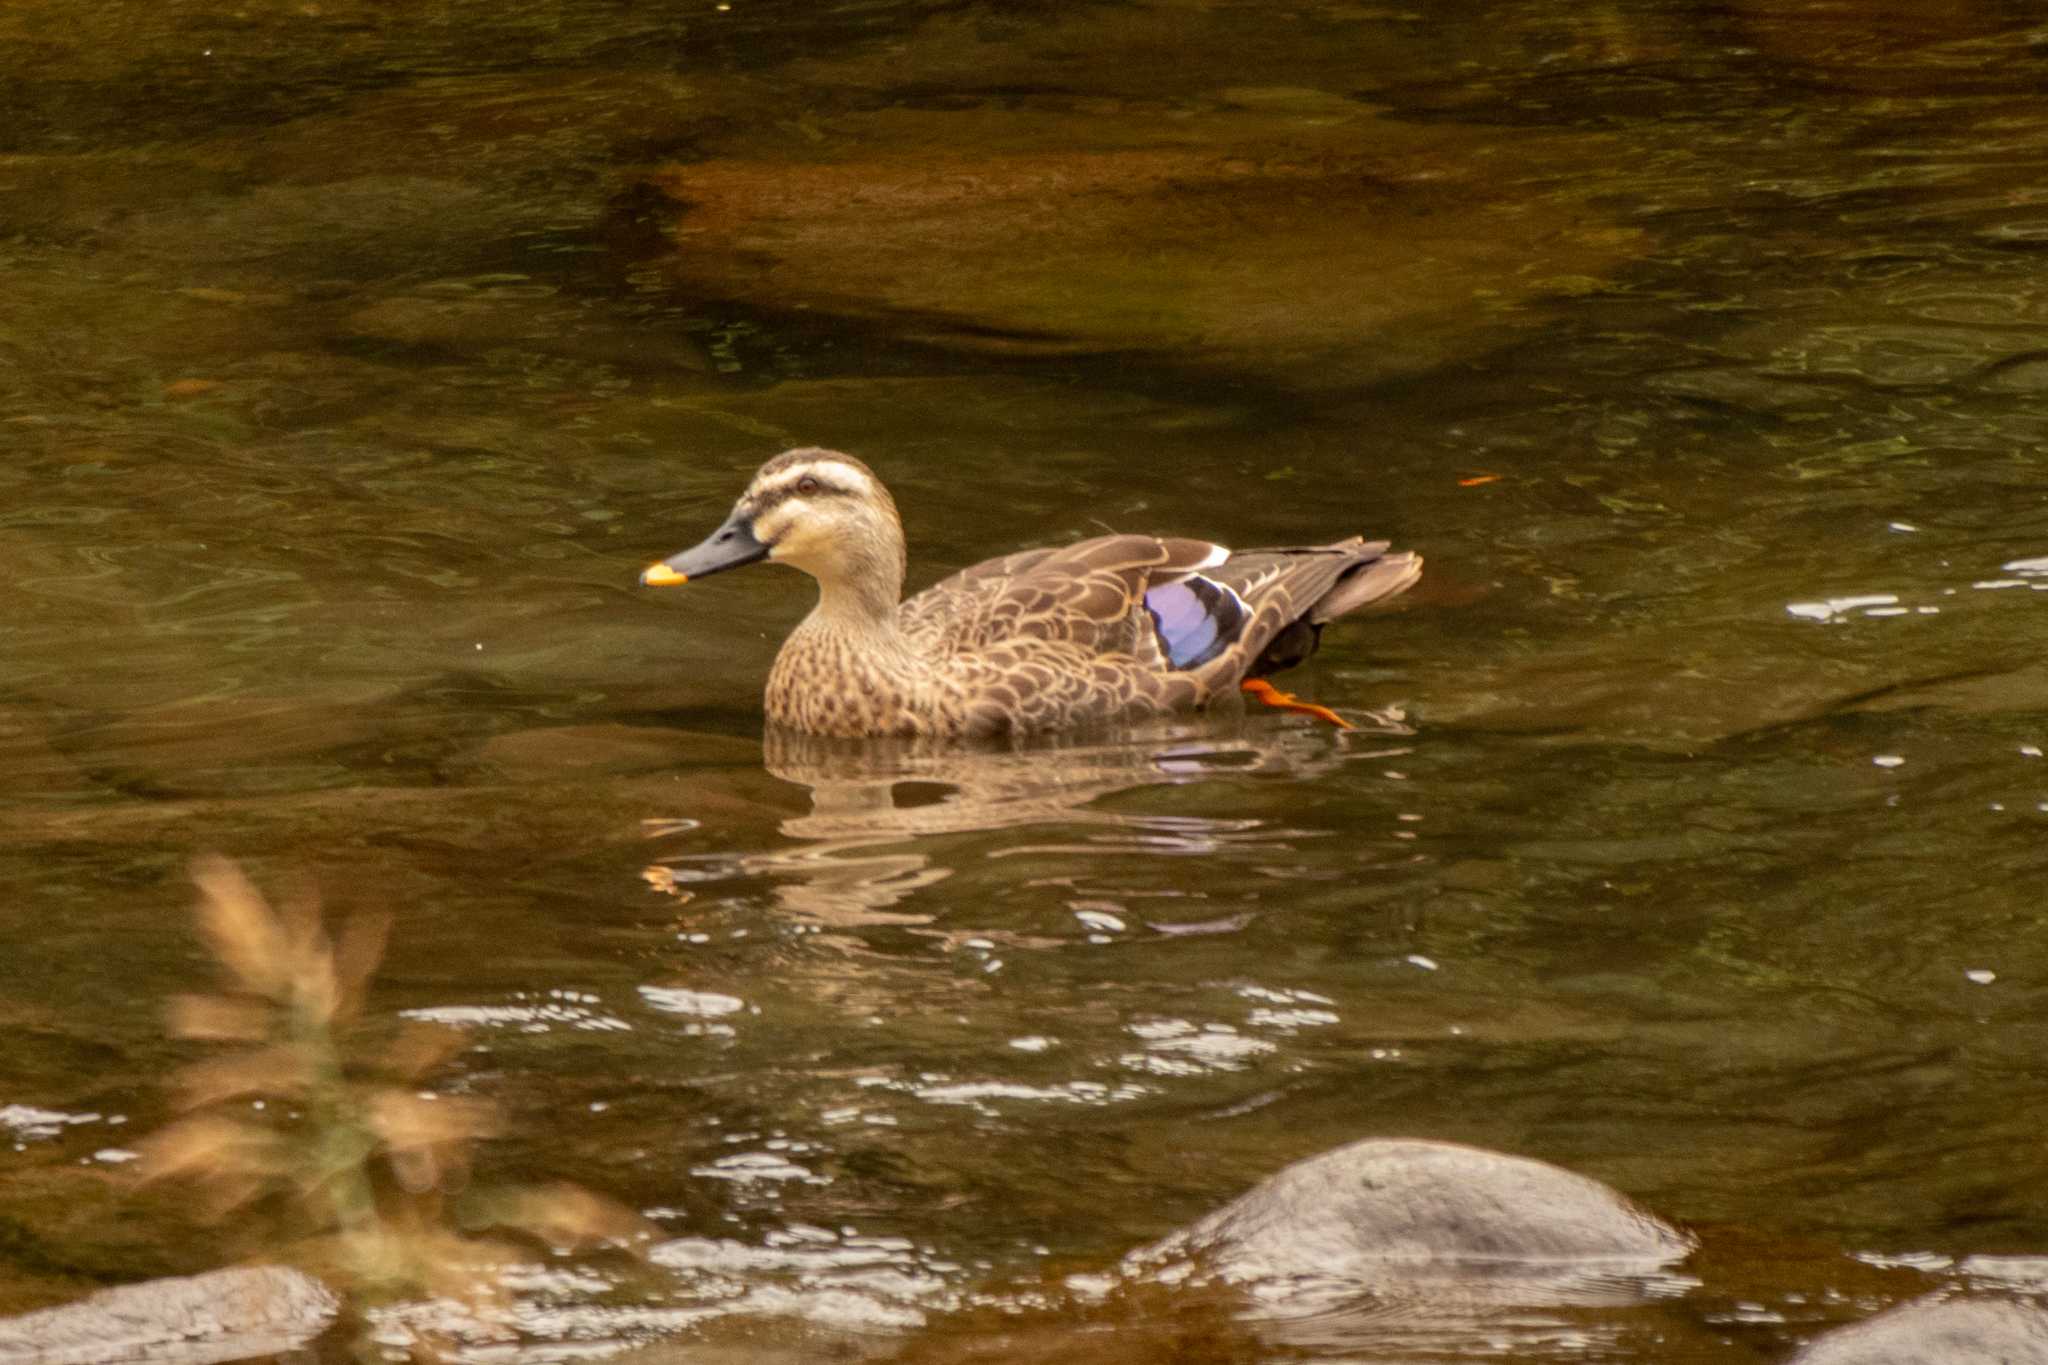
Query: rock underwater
{"x": 1938, "y": 1331}
{"x": 1432, "y": 1221}
{"x": 196, "y": 1320}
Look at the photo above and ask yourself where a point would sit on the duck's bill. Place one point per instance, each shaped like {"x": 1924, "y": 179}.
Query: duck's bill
{"x": 729, "y": 547}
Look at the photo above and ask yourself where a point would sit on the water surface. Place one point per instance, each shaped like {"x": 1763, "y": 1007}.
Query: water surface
{"x": 355, "y": 361}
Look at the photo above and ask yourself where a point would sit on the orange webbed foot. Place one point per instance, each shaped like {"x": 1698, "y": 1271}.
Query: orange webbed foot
{"x": 1287, "y": 701}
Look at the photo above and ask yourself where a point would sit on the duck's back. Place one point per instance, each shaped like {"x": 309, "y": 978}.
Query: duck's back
{"x": 1090, "y": 595}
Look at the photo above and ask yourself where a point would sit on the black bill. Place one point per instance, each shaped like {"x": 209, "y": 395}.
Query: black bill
{"x": 729, "y": 547}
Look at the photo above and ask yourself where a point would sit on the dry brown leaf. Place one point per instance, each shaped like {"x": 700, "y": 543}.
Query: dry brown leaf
{"x": 406, "y": 1121}
{"x": 569, "y": 1215}
{"x": 315, "y": 989}
{"x": 427, "y": 1138}
{"x": 240, "y": 928}
{"x": 218, "y": 1018}
{"x": 419, "y": 1048}
{"x": 210, "y": 1147}
{"x": 282, "y": 1070}
{"x": 356, "y": 955}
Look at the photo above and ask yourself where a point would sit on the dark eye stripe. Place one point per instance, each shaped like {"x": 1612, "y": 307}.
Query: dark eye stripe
{"x": 783, "y": 492}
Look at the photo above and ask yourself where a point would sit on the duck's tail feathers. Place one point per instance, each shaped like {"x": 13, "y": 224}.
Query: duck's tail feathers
{"x": 1374, "y": 577}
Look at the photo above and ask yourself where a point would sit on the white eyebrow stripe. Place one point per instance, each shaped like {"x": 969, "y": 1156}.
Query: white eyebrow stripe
{"x": 844, "y": 475}
{"x": 832, "y": 473}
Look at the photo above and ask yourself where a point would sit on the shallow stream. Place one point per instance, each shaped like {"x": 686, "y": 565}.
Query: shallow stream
{"x": 354, "y": 358}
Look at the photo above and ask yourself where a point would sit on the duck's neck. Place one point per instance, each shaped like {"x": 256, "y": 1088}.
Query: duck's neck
{"x": 847, "y": 669}
{"x": 852, "y": 634}
{"x": 859, "y": 607}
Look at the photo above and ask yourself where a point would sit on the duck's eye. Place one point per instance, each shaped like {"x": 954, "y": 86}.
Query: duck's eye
{"x": 807, "y": 485}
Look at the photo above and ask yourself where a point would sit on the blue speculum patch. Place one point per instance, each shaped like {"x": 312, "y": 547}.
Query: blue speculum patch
{"x": 1197, "y": 618}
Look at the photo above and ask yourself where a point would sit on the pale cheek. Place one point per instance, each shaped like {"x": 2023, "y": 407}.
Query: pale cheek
{"x": 793, "y": 547}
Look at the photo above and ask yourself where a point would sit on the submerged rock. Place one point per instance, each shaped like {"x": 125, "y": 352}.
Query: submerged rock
{"x": 220, "y": 1316}
{"x": 1244, "y": 233}
{"x": 1938, "y": 1332}
{"x": 1434, "y": 1221}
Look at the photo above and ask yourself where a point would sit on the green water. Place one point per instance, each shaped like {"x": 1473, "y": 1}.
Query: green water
{"x": 355, "y": 359}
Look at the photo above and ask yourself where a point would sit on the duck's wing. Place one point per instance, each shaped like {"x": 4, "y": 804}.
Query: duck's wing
{"x": 1090, "y": 594}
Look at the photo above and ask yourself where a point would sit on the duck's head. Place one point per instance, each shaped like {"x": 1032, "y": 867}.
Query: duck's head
{"x": 818, "y": 510}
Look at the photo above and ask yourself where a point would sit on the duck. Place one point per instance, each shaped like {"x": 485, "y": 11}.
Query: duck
{"x": 1114, "y": 628}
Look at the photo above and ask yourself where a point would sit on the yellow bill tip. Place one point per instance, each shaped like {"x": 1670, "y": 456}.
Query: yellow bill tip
{"x": 661, "y": 576}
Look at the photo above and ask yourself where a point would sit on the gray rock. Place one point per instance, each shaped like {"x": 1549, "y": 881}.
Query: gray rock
{"x": 220, "y": 1316}
{"x": 1938, "y": 1332}
{"x": 1426, "y": 1220}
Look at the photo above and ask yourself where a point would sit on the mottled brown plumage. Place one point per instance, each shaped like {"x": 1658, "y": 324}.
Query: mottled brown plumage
{"x": 1041, "y": 640}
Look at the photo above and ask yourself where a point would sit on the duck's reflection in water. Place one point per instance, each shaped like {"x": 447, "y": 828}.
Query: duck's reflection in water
{"x": 877, "y": 805}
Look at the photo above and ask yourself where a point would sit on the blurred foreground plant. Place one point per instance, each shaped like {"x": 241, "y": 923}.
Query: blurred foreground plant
{"x": 317, "y": 1113}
